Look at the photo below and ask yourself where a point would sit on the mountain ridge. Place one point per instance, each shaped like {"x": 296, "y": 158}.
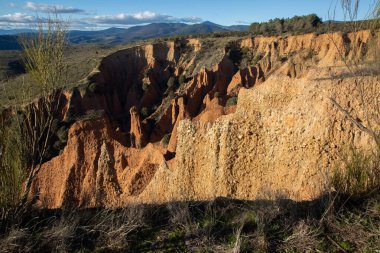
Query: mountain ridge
{"x": 115, "y": 35}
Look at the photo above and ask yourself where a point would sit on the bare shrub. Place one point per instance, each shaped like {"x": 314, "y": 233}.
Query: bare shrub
{"x": 358, "y": 229}
{"x": 44, "y": 61}
{"x": 59, "y": 233}
{"x": 238, "y": 233}
{"x": 304, "y": 238}
{"x": 17, "y": 240}
{"x": 179, "y": 215}
{"x": 114, "y": 226}
{"x": 361, "y": 174}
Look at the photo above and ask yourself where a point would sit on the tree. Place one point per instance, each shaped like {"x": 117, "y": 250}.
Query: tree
{"x": 44, "y": 62}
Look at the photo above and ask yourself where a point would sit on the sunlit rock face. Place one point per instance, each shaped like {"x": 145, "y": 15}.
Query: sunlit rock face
{"x": 191, "y": 140}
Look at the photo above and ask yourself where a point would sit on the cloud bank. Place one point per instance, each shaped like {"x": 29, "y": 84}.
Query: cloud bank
{"x": 46, "y": 8}
{"x": 140, "y": 18}
{"x": 17, "y": 18}
{"x": 25, "y": 18}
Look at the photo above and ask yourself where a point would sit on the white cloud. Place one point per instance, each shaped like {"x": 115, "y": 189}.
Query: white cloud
{"x": 141, "y": 18}
{"x": 51, "y": 8}
{"x": 122, "y": 20}
{"x": 17, "y": 18}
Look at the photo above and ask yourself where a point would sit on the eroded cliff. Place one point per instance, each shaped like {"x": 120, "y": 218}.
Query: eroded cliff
{"x": 169, "y": 127}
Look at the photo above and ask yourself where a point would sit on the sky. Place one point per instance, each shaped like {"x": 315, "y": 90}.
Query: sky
{"x": 97, "y": 14}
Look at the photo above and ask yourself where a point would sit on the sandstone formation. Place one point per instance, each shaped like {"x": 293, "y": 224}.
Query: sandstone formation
{"x": 158, "y": 141}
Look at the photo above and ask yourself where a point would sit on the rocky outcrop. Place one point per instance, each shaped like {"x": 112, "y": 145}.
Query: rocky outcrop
{"x": 158, "y": 142}
{"x": 98, "y": 161}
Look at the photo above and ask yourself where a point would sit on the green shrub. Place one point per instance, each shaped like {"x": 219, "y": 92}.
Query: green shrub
{"x": 232, "y": 101}
{"x": 234, "y": 53}
{"x": 171, "y": 82}
{"x": 62, "y": 133}
{"x": 58, "y": 145}
{"x": 360, "y": 174}
{"x": 217, "y": 94}
{"x": 165, "y": 140}
{"x": 12, "y": 164}
{"x": 145, "y": 86}
{"x": 182, "y": 79}
{"x": 257, "y": 58}
{"x": 146, "y": 72}
{"x": 144, "y": 112}
{"x": 93, "y": 87}
{"x": 70, "y": 115}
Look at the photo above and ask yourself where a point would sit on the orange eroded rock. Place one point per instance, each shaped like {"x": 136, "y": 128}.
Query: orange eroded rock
{"x": 283, "y": 130}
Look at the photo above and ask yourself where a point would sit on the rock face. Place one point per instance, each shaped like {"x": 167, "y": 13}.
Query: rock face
{"x": 158, "y": 142}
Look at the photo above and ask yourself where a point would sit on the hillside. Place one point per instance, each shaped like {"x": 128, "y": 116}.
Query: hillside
{"x": 113, "y": 36}
{"x": 253, "y": 108}
{"x": 203, "y": 144}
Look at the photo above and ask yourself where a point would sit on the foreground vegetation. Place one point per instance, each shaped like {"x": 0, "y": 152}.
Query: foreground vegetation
{"x": 222, "y": 225}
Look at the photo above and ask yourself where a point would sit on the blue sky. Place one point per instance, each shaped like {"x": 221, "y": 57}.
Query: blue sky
{"x": 97, "y": 14}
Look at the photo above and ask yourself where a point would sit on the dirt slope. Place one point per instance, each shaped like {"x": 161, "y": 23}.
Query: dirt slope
{"x": 283, "y": 137}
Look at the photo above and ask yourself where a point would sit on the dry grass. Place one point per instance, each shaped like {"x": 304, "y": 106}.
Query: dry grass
{"x": 360, "y": 174}
{"x": 114, "y": 226}
{"x": 304, "y": 238}
{"x": 220, "y": 226}
{"x": 17, "y": 240}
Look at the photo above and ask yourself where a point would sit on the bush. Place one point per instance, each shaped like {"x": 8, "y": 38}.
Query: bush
{"x": 234, "y": 53}
{"x": 145, "y": 86}
{"x": 58, "y": 145}
{"x": 165, "y": 140}
{"x": 182, "y": 79}
{"x": 62, "y": 134}
{"x": 93, "y": 87}
{"x": 232, "y": 101}
{"x": 171, "y": 82}
{"x": 217, "y": 94}
{"x": 257, "y": 58}
{"x": 12, "y": 163}
{"x": 144, "y": 112}
{"x": 360, "y": 175}
{"x": 146, "y": 72}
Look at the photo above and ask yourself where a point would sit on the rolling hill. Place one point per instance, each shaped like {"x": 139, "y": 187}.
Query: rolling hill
{"x": 113, "y": 36}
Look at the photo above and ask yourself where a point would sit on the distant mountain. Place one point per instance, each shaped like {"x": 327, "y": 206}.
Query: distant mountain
{"x": 115, "y": 35}
{"x": 205, "y": 27}
{"x": 154, "y": 30}
{"x": 14, "y": 31}
{"x": 9, "y": 42}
